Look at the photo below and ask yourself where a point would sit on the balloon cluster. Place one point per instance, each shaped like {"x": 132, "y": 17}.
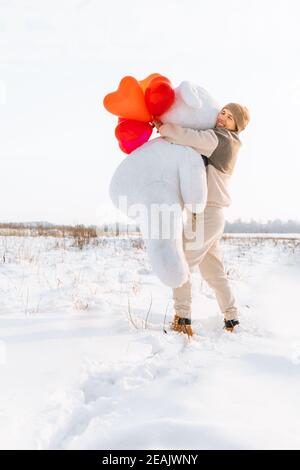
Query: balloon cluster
{"x": 137, "y": 104}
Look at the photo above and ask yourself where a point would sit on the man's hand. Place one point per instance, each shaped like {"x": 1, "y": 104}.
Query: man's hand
{"x": 157, "y": 123}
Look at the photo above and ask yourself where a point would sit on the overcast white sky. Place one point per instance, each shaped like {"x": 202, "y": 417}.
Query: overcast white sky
{"x": 59, "y": 58}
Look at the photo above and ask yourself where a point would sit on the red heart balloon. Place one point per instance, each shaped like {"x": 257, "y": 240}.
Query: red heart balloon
{"x": 132, "y": 134}
{"x": 159, "y": 96}
{"x": 146, "y": 82}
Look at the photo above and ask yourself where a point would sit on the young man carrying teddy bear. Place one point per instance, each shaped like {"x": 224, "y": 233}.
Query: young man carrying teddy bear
{"x": 219, "y": 147}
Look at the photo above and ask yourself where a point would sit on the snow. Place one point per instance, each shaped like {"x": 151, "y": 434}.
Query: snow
{"x": 78, "y": 373}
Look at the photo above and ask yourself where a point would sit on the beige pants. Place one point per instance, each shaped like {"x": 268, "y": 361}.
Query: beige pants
{"x": 208, "y": 257}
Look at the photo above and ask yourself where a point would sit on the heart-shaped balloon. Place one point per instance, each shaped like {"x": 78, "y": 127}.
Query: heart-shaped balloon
{"x": 131, "y": 134}
{"x": 146, "y": 82}
{"x": 128, "y": 101}
{"x": 159, "y": 96}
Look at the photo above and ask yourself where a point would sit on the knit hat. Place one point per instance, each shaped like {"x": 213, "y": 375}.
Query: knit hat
{"x": 240, "y": 115}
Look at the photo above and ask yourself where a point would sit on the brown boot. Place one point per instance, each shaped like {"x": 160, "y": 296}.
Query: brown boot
{"x": 182, "y": 325}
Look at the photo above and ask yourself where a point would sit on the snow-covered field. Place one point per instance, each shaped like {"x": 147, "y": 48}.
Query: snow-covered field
{"x": 78, "y": 372}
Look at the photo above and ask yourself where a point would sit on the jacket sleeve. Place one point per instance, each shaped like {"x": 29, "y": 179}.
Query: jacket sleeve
{"x": 204, "y": 141}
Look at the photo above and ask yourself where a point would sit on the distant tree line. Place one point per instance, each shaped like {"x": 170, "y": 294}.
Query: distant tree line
{"x": 118, "y": 228}
{"x": 271, "y": 226}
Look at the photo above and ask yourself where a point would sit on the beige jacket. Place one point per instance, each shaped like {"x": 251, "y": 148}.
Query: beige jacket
{"x": 220, "y": 146}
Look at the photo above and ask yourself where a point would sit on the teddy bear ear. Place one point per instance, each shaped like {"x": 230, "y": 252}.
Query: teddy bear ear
{"x": 190, "y": 94}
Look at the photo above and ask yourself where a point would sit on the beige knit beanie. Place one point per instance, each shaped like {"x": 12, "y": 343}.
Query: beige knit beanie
{"x": 240, "y": 114}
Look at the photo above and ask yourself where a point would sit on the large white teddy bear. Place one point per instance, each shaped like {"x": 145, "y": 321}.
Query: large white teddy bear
{"x": 158, "y": 180}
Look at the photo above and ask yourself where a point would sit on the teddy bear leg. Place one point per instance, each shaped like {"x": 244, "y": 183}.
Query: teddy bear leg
{"x": 168, "y": 262}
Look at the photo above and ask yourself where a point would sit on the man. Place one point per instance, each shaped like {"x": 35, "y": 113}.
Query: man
{"x": 219, "y": 146}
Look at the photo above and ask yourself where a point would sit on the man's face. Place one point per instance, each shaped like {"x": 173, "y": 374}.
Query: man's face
{"x": 225, "y": 119}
